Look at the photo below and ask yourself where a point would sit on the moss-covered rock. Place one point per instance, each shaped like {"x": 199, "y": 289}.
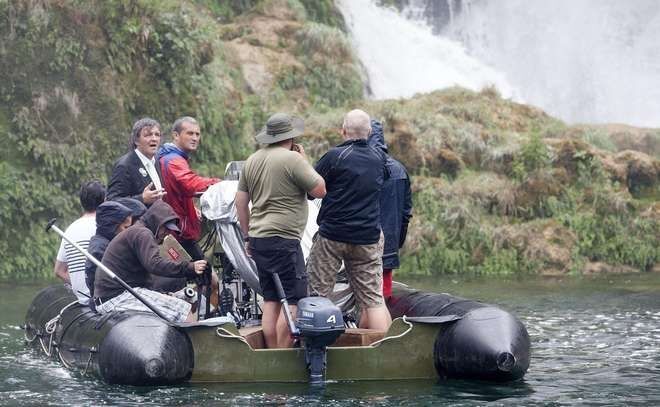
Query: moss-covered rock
{"x": 548, "y": 243}
{"x": 643, "y": 172}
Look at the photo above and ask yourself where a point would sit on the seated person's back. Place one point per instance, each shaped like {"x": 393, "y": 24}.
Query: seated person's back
{"x": 111, "y": 219}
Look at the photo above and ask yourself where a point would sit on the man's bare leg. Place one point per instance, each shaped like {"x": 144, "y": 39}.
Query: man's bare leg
{"x": 284, "y": 338}
{"x": 269, "y": 322}
{"x": 364, "y": 319}
{"x": 378, "y": 318}
{"x": 215, "y": 289}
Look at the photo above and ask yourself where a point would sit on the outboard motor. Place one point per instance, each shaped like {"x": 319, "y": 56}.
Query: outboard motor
{"x": 320, "y": 323}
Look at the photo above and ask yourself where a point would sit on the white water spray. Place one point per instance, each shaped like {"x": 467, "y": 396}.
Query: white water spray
{"x": 581, "y": 60}
{"x": 402, "y": 57}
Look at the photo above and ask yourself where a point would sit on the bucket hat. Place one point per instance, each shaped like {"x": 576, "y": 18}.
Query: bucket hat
{"x": 279, "y": 127}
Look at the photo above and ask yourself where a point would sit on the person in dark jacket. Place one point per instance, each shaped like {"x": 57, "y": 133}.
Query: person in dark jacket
{"x": 395, "y": 208}
{"x": 134, "y": 255}
{"x": 158, "y": 283}
{"x": 137, "y": 174}
{"x": 349, "y": 221}
{"x": 111, "y": 219}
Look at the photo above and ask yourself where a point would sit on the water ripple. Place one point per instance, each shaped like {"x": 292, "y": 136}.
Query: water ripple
{"x": 590, "y": 346}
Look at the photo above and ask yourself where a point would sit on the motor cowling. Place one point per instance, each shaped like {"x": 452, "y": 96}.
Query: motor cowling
{"x": 320, "y": 323}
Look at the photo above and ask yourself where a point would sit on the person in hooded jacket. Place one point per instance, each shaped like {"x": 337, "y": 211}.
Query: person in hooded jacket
{"x": 137, "y": 208}
{"x": 134, "y": 255}
{"x": 395, "y": 208}
{"x": 111, "y": 219}
{"x": 158, "y": 283}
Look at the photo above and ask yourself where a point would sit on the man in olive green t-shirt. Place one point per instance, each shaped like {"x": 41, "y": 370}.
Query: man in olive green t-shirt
{"x": 277, "y": 179}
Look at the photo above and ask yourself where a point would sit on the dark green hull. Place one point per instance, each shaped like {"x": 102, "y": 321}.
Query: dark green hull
{"x": 405, "y": 353}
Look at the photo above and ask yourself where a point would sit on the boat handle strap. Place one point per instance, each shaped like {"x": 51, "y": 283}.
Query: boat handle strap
{"x": 230, "y": 335}
{"x": 387, "y": 338}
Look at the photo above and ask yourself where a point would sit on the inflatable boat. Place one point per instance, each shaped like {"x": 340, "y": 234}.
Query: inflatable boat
{"x": 433, "y": 336}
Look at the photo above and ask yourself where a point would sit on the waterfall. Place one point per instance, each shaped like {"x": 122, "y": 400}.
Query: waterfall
{"x": 581, "y": 60}
{"x": 403, "y": 57}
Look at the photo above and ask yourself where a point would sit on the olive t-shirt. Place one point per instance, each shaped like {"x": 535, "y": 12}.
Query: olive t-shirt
{"x": 277, "y": 181}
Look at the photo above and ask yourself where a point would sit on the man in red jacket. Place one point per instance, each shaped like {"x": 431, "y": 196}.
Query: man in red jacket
{"x": 181, "y": 183}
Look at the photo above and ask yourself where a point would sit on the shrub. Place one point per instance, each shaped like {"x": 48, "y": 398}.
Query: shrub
{"x": 454, "y": 237}
{"x": 533, "y": 155}
{"x": 330, "y": 77}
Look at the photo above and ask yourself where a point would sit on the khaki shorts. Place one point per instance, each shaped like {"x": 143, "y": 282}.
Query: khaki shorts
{"x": 364, "y": 267}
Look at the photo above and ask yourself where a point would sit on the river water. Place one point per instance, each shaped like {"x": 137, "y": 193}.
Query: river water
{"x": 595, "y": 341}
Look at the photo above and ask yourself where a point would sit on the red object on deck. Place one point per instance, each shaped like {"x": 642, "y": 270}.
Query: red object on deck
{"x": 387, "y": 283}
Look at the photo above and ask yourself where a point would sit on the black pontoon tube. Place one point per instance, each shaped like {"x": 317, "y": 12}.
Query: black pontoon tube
{"x": 484, "y": 342}
{"x": 51, "y": 225}
{"x": 134, "y": 348}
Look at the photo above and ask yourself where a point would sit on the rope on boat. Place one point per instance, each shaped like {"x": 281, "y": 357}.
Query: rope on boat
{"x": 51, "y": 327}
{"x": 230, "y": 335}
{"x": 28, "y": 340}
{"x": 89, "y": 361}
{"x": 43, "y": 347}
{"x": 64, "y": 362}
{"x": 387, "y": 338}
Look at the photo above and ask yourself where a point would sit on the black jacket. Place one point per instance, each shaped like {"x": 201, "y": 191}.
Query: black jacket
{"x": 354, "y": 173}
{"x": 129, "y": 177}
{"x": 109, "y": 215}
{"x": 395, "y": 201}
{"x": 134, "y": 255}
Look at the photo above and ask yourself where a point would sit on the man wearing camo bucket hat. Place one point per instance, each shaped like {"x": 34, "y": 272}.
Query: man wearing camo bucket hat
{"x": 277, "y": 179}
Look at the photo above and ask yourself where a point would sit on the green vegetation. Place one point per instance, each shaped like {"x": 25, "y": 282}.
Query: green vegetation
{"x": 499, "y": 187}
{"x": 327, "y": 81}
{"x": 77, "y": 75}
{"x": 227, "y": 10}
{"x": 525, "y": 194}
{"x": 323, "y": 11}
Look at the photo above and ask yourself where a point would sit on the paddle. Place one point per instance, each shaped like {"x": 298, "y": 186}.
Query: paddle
{"x": 51, "y": 225}
{"x": 295, "y": 332}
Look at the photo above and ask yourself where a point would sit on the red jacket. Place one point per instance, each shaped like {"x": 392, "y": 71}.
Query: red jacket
{"x": 181, "y": 184}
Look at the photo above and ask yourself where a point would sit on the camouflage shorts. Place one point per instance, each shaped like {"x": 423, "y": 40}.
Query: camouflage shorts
{"x": 173, "y": 308}
{"x": 364, "y": 267}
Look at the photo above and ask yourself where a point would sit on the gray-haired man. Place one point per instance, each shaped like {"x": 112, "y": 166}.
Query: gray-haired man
{"x": 136, "y": 174}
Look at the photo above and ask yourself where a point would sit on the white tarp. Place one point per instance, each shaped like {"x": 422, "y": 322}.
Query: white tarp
{"x": 218, "y": 205}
